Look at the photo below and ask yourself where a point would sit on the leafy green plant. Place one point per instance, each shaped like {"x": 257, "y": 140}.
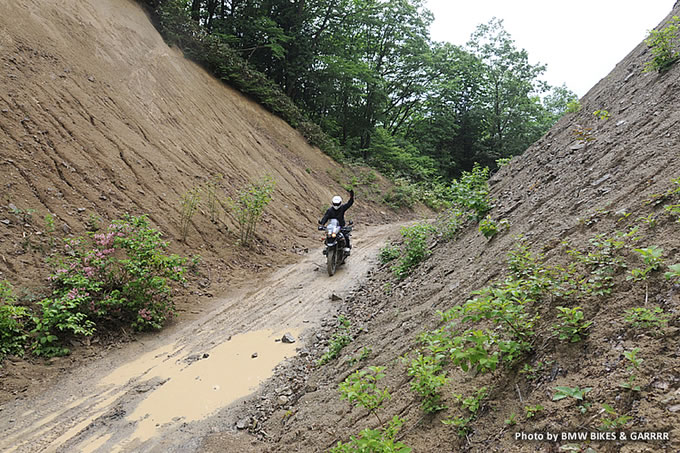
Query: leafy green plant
{"x": 651, "y": 256}
{"x": 635, "y": 363}
{"x": 363, "y": 355}
{"x": 612, "y": 420}
{"x": 375, "y": 440}
{"x": 674, "y": 210}
{"x": 388, "y": 253}
{"x": 531, "y": 411}
{"x": 502, "y": 162}
{"x": 489, "y": 227}
{"x": 649, "y": 220}
{"x": 470, "y": 192}
{"x": 512, "y": 420}
{"x": 573, "y": 106}
{"x": 428, "y": 378}
{"x": 249, "y": 206}
{"x": 415, "y": 248}
{"x": 572, "y": 325}
{"x": 340, "y": 339}
{"x": 533, "y": 372}
{"x": 360, "y": 388}
{"x": 646, "y": 318}
{"x": 449, "y": 222}
{"x": 602, "y": 262}
{"x": 578, "y": 394}
{"x": 662, "y": 44}
{"x": 460, "y": 423}
{"x": 474, "y": 402}
{"x": 13, "y": 321}
{"x": 673, "y": 273}
{"x": 188, "y": 207}
{"x": 120, "y": 276}
{"x": 25, "y": 216}
{"x": 602, "y": 114}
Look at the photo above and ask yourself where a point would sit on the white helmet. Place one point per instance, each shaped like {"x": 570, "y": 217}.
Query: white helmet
{"x": 337, "y": 201}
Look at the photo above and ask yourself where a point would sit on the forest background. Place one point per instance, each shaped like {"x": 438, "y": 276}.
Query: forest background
{"x": 363, "y": 80}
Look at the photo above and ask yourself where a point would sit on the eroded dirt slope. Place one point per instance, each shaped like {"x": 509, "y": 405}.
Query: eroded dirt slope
{"x": 99, "y": 117}
{"x": 562, "y": 189}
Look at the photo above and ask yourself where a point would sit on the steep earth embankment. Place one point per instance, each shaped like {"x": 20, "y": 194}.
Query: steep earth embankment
{"x": 563, "y": 188}
{"x": 98, "y": 117}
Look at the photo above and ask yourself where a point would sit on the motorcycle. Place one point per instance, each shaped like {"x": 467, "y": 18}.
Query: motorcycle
{"x": 335, "y": 240}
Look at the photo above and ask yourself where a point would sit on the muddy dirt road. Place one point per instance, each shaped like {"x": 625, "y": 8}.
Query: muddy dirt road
{"x": 169, "y": 386}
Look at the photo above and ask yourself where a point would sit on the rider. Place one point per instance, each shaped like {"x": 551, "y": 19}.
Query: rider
{"x": 337, "y": 211}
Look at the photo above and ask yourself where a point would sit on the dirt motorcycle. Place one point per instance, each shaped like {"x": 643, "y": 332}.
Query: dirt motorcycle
{"x": 335, "y": 243}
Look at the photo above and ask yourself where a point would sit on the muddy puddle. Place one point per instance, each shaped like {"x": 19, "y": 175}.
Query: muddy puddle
{"x": 176, "y": 387}
{"x": 195, "y": 386}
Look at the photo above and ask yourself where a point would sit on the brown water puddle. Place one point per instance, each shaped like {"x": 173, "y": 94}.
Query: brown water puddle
{"x": 193, "y": 391}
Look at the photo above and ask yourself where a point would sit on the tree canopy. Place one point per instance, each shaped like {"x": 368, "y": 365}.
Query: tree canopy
{"x": 368, "y": 73}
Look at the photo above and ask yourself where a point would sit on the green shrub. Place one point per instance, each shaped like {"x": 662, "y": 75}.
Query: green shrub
{"x": 415, "y": 248}
{"x": 470, "y": 192}
{"x": 645, "y": 318}
{"x": 375, "y": 441}
{"x": 360, "y": 388}
{"x": 673, "y": 273}
{"x": 651, "y": 256}
{"x": 121, "y": 276}
{"x": 449, "y": 223}
{"x": 663, "y": 45}
{"x": 249, "y": 205}
{"x": 388, "y": 253}
{"x": 573, "y": 106}
{"x": 13, "y": 320}
{"x": 572, "y": 325}
{"x": 428, "y": 378}
{"x": 340, "y": 339}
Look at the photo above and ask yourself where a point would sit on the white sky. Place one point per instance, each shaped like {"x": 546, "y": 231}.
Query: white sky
{"x": 579, "y": 40}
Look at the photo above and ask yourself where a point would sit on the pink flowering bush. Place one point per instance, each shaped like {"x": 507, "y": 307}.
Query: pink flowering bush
{"x": 119, "y": 276}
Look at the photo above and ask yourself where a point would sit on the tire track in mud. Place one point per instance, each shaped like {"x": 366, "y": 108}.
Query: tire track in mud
{"x": 168, "y": 385}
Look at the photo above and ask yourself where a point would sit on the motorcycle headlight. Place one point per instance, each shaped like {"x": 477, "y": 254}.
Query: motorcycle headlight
{"x": 333, "y": 235}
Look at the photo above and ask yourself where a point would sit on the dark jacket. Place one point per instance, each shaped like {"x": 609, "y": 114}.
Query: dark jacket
{"x": 339, "y": 213}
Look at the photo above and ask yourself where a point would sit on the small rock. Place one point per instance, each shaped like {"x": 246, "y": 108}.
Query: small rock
{"x": 66, "y": 228}
{"x": 243, "y": 423}
{"x": 12, "y": 207}
{"x": 91, "y": 79}
{"x": 254, "y": 355}
{"x": 5, "y": 221}
{"x": 282, "y": 400}
{"x": 81, "y": 209}
{"x": 674, "y": 408}
{"x": 601, "y": 180}
{"x": 288, "y": 338}
{"x": 335, "y": 297}
{"x": 102, "y": 197}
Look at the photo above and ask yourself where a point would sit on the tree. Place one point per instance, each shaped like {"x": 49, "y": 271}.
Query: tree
{"x": 509, "y": 94}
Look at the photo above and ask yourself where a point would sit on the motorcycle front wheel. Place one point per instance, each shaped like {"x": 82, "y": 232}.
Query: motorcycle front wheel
{"x": 330, "y": 261}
